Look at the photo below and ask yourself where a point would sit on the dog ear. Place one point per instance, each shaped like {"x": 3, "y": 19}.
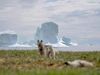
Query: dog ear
{"x": 41, "y": 41}
{"x": 66, "y": 63}
{"x": 38, "y": 41}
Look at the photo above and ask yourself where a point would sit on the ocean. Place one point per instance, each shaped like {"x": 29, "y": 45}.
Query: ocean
{"x": 71, "y": 48}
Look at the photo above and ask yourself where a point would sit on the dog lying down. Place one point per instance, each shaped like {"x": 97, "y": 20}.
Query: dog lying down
{"x": 79, "y": 63}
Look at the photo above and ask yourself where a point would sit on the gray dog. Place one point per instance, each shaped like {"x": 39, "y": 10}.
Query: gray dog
{"x": 45, "y": 50}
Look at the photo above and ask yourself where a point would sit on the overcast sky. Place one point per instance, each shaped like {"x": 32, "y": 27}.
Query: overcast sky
{"x": 77, "y": 19}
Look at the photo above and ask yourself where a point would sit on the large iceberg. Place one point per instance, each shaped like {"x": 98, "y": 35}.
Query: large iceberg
{"x": 48, "y": 32}
{"x": 7, "y": 38}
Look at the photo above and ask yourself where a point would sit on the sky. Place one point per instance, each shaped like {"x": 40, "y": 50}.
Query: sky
{"x": 77, "y": 19}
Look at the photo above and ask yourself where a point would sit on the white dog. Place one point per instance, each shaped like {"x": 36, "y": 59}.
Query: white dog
{"x": 79, "y": 63}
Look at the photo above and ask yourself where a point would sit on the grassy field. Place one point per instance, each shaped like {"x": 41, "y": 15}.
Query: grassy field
{"x": 29, "y": 62}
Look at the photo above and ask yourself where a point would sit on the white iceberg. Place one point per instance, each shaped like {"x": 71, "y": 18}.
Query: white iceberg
{"x": 20, "y": 45}
{"x": 48, "y": 32}
{"x": 74, "y": 44}
{"x": 7, "y": 38}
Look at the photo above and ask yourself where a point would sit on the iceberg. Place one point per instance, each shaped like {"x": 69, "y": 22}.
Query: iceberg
{"x": 59, "y": 44}
{"x": 48, "y": 32}
{"x": 74, "y": 44}
{"x": 7, "y": 38}
{"x": 20, "y": 45}
{"x": 68, "y": 42}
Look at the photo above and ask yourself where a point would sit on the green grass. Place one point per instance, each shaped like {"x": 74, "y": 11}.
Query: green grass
{"x": 28, "y": 62}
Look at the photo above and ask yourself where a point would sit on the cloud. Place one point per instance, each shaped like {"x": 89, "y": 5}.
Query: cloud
{"x": 76, "y": 18}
